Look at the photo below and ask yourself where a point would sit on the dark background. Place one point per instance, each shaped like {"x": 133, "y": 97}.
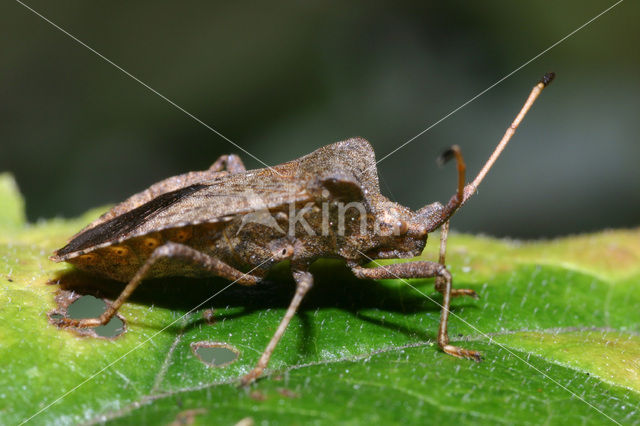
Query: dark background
{"x": 283, "y": 78}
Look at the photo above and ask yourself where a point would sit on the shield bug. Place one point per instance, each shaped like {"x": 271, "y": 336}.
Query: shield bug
{"x": 237, "y": 223}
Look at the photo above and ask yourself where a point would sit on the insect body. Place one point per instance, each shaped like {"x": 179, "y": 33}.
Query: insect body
{"x": 236, "y": 224}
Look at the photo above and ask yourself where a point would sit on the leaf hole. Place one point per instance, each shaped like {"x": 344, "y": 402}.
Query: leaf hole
{"x": 215, "y": 354}
{"x": 88, "y": 306}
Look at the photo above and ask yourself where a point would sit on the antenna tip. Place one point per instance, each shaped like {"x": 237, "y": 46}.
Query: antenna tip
{"x": 447, "y": 155}
{"x": 547, "y": 79}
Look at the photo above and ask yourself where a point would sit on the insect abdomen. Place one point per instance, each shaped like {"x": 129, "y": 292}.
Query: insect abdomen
{"x": 122, "y": 260}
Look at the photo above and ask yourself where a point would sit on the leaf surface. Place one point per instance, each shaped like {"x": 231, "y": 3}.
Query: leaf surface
{"x": 558, "y": 323}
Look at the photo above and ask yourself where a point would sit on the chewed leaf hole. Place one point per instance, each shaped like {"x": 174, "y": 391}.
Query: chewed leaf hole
{"x": 90, "y": 307}
{"x": 215, "y": 354}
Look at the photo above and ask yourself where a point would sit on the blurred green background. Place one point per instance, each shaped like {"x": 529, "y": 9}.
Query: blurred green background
{"x": 283, "y": 78}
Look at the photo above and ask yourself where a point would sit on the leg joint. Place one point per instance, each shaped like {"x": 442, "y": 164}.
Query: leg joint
{"x": 443, "y": 272}
{"x": 304, "y": 280}
{"x": 167, "y": 249}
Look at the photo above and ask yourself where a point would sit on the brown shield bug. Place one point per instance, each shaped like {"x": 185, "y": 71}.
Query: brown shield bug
{"x": 237, "y": 223}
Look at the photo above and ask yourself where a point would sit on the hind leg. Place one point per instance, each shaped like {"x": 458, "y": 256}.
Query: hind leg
{"x": 168, "y": 250}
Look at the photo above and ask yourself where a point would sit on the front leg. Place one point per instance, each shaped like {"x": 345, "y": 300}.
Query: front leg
{"x": 440, "y": 284}
{"x": 423, "y": 269}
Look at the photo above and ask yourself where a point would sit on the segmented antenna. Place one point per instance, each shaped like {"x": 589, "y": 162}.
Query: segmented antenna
{"x": 535, "y": 92}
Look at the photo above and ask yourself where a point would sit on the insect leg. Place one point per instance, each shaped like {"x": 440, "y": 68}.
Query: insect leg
{"x": 304, "y": 282}
{"x": 231, "y": 163}
{"x": 440, "y": 282}
{"x": 423, "y": 269}
{"x": 168, "y": 250}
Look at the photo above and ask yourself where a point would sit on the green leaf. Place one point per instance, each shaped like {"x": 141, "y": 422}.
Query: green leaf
{"x": 11, "y": 204}
{"x": 557, "y": 321}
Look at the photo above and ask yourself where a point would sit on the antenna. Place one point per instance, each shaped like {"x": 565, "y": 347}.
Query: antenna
{"x": 463, "y": 192}
{"x": 535, "y": 92}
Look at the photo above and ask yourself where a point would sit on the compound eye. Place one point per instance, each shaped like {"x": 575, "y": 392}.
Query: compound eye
{"x": 402, "y": 227}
